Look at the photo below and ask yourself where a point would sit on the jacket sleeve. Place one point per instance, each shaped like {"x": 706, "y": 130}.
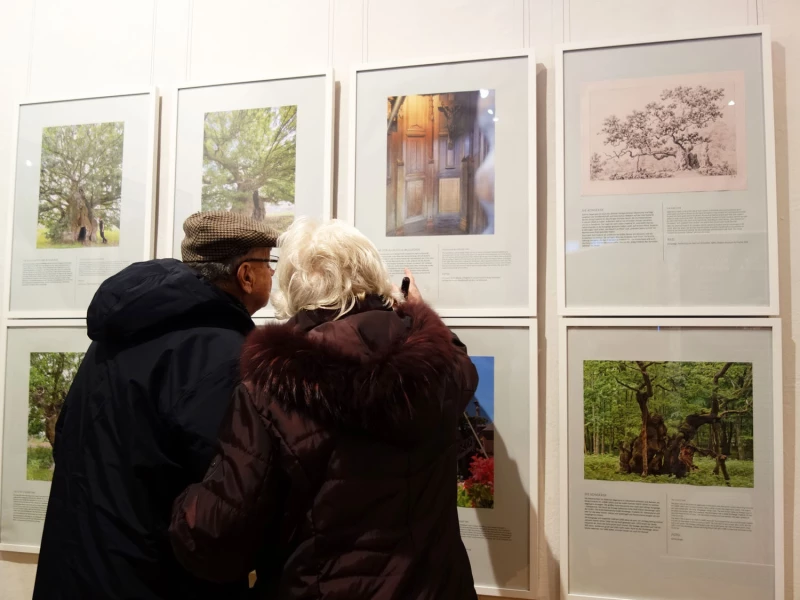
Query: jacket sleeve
{"x": 468, "y": 374}
{"x": 197, "y": 413}
{"x": 219, "y": 524}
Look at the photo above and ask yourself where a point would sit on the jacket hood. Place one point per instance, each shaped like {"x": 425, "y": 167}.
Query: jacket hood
{"x": 376, "y": 369}
{"x": 151, "y": 298}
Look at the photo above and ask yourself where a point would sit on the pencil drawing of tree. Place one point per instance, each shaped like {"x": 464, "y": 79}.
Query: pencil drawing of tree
{"x": 680, "y": 129}
{"x": 249, "y": 159}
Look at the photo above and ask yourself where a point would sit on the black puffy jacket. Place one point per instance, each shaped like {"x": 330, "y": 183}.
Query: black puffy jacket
{"x": 138, "y": 425}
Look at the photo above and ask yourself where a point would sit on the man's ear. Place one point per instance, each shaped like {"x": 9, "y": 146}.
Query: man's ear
{"x": 245, "y": 277}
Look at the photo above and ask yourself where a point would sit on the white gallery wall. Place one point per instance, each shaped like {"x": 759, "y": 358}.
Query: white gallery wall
{"x": 54, "y": 48}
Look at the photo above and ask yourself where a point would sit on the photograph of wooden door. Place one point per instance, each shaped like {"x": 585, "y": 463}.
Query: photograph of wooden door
{"x": 434, "y": 146}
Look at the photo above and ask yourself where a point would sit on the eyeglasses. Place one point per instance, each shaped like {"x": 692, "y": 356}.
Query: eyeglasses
{"x": 272, "y": 261}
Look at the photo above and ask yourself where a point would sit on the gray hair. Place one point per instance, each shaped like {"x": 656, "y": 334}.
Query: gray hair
{"x": 216, "y": 272}
{"x": 327, "y": 265}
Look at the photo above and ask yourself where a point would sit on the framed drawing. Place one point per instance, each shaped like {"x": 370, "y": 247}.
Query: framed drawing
{"x": 43, "y": 357}
{"x": 671, "y": 459}
{"x": 444, "y": 143}
{"x": 497, "y": 471}
{"x": 665, "y": 152}
{"x": 263, "y": 148}
{"x": 83, "y": 197}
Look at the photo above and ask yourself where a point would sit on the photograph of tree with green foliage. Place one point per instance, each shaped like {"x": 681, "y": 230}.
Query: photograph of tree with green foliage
{"x": 51, "y": 376}
{"x": 249, "y": 160}
{"x": 694, "y": 418}
{"x": 80, "y": 186}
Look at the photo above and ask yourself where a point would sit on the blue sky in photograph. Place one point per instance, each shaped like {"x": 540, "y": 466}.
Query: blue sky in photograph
{"x": 485, "y": 391}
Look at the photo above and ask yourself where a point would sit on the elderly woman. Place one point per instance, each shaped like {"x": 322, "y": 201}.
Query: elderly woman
{"x": 335, "y": 477}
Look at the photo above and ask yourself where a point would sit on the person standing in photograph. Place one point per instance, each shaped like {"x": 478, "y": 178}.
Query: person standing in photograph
{"x": 335, "y": 477}
{"x": 140, "y": 421}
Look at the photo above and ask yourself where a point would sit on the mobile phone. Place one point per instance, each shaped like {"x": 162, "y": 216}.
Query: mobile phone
{"x": 404, "y": 286}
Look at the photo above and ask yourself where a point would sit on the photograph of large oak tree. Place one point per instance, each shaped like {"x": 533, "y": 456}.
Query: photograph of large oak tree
{"x": 249, "y": 161}
{"x": 51, "y": 376}
{"x": 694, "y": 418}
{"x": 80, "y": 186}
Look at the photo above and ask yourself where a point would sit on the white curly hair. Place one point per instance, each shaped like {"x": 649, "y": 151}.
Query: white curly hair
{"x": 328, "y": 265}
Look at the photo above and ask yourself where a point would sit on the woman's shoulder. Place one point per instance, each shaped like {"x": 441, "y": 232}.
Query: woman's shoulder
{"x": 375, "y": 369}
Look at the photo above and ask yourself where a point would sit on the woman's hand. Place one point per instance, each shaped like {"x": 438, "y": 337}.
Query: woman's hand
{"x": 414, "y": 295}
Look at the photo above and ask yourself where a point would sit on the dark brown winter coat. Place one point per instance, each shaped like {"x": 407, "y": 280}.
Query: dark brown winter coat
{"x": 336, "y": 474}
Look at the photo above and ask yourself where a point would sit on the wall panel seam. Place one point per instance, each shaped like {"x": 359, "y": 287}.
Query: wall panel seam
{"x": 331, "y": 29}
{"x": 364, "y": 30}
{"x": 29, "y": 74}
{"x": 153, "y": 42}
{"x": 526, "y": 23}
{"x": 188, "y": 66}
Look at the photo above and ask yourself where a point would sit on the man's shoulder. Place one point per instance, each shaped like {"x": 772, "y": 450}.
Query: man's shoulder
{"x": 217, "y": 340}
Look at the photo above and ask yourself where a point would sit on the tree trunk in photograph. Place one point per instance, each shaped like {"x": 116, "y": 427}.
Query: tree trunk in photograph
{"x": 594, "y": 427}
{"x": 645, "y": 453}
{"x": 739, "y": 445}
{"x": 258, "y": 206}
{"x": 51, "y": 409}
{"x": 716, "y": 428}
{"x": 50, "y": 427}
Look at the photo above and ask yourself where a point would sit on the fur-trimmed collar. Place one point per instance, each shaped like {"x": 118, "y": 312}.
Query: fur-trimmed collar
{"x": 373, "y": 369}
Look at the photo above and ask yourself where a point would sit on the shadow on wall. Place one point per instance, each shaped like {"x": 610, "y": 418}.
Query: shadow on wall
{"x": 546, "y": 562}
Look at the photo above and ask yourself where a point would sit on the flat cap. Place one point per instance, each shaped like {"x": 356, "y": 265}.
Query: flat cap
{"x": 217, "y": 236}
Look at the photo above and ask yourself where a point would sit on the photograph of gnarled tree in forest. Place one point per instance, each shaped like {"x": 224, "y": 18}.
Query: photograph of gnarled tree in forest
{"x": 694, "y": 418}
{"x": 674, "y": 134}
{"x": 51, "y": 376}
{"x": 80, "y": 186}
{"x": 249, "y": 159}
{"x": 475, "y": 466}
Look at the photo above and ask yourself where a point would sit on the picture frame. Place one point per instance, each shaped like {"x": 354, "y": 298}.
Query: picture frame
{"x": 318, "y": 197}
{"x": 467, "y": 329}
{"x": 36, "y": 488}
{"x": 82, "y": 109}
{"x": 601, "y": 287}
{"x": 432, "y": 257}
{"x": 774, "y": 430}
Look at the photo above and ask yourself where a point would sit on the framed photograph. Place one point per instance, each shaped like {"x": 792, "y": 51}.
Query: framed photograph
{"x": 39, "y": 361}
{"x": 435, "y": 147}
{"x": 261, "y": 148}
{"x": 496, "y": 471}
{"x": 83, "y": 196}
{"x": 671, "y": 459}
{"x": 665, "y": 175}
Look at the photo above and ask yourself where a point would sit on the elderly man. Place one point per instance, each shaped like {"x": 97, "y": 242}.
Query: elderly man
{"x": 141, "y": 419}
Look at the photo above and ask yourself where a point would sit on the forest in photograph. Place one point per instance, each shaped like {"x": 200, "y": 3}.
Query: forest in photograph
{"x": 80, "y": 186}
{"x": 249, "y": 162}
{"x": 663, "y": 131}
{"x": 695, "y": 420}
{"x": 51, "y": 375}
{"x": 475, "y": 457}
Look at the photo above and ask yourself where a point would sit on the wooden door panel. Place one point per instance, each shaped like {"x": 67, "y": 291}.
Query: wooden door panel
{"x": 416, "y": 109}
{"x": 415, "y": 198}
{"x": 415, "y": 157}
{"x": 449, "y": 195}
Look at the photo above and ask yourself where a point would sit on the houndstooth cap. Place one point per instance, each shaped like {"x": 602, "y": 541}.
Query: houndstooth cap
{"x": 217, "y": 236}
